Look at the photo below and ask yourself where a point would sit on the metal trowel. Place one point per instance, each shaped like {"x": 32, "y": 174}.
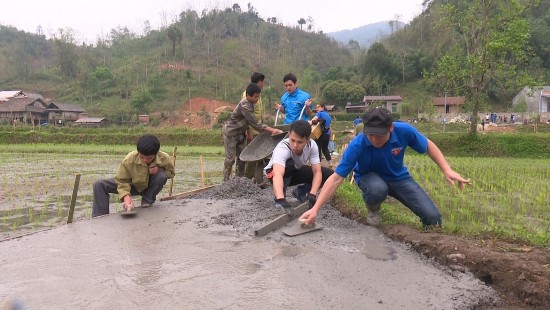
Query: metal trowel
{"x": 128, "y": 213}
{"x": 297, "y": 228}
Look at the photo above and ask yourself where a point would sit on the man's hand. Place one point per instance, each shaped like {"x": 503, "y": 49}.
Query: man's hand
{"x": 275, "y": 131}
{"x": 277, "y": 106}
{"x": 310, "y": 216}
{"x": 128, "y": 203}
{"x": 153, "y": 169}
{"x": 451, "y": 176}
{"x": 311, "y": 200}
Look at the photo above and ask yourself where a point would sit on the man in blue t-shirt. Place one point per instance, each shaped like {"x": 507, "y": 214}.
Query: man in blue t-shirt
{"x": 376, "y": 157}
{"x": 295, "y": 103}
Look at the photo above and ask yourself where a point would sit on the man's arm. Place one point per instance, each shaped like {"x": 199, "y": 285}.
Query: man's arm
{"x": 435, "y": 154}
{"x": 328, "y": 190}
{"x": 317, "y": 179}
{"x": 278, "y": 183}
{"x": 123, "y": 179}
{"x": 248, "y": 113}
{"x": 308, "y": 106}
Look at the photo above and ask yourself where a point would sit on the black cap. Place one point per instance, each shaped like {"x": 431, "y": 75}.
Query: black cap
{"x": 377, "y": 121}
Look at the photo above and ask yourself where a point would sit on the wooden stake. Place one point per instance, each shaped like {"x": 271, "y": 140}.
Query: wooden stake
{"x": 73, "y": 198}
{"x": 172, "y": 178}
{"x": 185, "y": 194}
{"x": 202, "y": 172}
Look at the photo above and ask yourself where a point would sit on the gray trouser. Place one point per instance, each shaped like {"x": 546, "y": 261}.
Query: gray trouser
{"x": 233, "y": 147}
{"x": 103, "y": 188}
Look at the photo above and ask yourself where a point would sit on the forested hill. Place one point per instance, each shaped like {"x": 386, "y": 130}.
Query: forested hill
{"x": 211, "y": 55}
{"x": 506, "y": 44}
{"x": 484, "y": 50}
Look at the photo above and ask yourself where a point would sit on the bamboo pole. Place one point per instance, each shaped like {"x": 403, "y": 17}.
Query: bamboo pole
{"x": 172, "y": 178}
{"x": 185, "y": 194}
{"x": 73, "y": 198}
{"x": 202, "y": 172}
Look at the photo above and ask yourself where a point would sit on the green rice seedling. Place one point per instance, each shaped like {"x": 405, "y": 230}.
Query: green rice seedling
{"x": 30, "y": 213}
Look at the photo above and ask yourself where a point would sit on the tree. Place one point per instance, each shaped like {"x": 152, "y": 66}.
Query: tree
{"x": 494, "y": 47}
{"x": 301, "y": 22}
{"x": 379, "y": 62}
{"x": 140, "y": 102}
{"x": 175, "y": 35}
{"x": 66, "y": 49}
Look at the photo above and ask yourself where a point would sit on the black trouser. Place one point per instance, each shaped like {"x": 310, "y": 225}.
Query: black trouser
{"x": 322, "y": 144}
{"x": 303, "y": 176}
{"x": 103, "y": 188}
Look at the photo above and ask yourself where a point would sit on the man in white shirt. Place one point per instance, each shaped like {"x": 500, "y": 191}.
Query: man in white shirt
{"x": 295, "y": 161}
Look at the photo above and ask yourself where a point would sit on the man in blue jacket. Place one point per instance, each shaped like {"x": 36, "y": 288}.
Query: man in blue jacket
{"x": 294, "y": 101}
{"x": 376, "y": 156}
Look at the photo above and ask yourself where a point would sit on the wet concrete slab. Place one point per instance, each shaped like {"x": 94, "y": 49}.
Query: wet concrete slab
{"x": 202, "y": 253}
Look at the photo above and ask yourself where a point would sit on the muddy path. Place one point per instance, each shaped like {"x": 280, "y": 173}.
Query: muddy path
{"x": 202, "y": 253}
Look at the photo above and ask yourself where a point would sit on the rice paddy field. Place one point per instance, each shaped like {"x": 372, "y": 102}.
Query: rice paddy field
{"x": 37, "y": 181}
{"x": 508, "y": 198}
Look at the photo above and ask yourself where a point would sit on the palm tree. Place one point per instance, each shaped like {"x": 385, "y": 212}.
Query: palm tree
{"x": 302, "y": 22}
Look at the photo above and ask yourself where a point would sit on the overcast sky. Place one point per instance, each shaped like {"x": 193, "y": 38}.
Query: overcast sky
{"x": 93, "y": 18}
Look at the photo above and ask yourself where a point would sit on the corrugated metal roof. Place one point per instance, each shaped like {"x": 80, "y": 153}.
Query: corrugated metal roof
{"x": 90, "y": 120}
{"x": 382, "y": 98}
{"x": 7, "y": 94}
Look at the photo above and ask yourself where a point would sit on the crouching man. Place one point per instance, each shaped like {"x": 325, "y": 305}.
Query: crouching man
{"x": 142, "y": 172}
{"x": 295, "y": 161}
{"x": 376, "y": 156}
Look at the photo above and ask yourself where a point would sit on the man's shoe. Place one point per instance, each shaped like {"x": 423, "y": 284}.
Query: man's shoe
{"x": 373, "y": 218}
{"x": 302, "y": 197}
{"x": 146, "y": 205}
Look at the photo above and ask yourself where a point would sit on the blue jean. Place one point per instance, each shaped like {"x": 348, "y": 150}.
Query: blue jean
{"x": 407, "y": 191}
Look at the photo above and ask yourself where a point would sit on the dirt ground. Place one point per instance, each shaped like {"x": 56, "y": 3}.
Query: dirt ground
{"x": 492, "y": 127}
{"x": 192, "y": 113}
{"x": 519, "y": 273}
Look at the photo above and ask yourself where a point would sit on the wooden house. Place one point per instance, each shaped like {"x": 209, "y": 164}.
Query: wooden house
{"x": 59, "y": 113}
{"x": 444, "y": 105}
{"x": 17, "y": 107}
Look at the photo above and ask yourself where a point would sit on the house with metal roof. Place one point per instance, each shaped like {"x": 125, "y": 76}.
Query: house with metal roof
{"x": 91, "y": 122}
{"x": 392, "y": 103}
{"x": 537, "y": 99}
{"x": 445, "y": 105}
